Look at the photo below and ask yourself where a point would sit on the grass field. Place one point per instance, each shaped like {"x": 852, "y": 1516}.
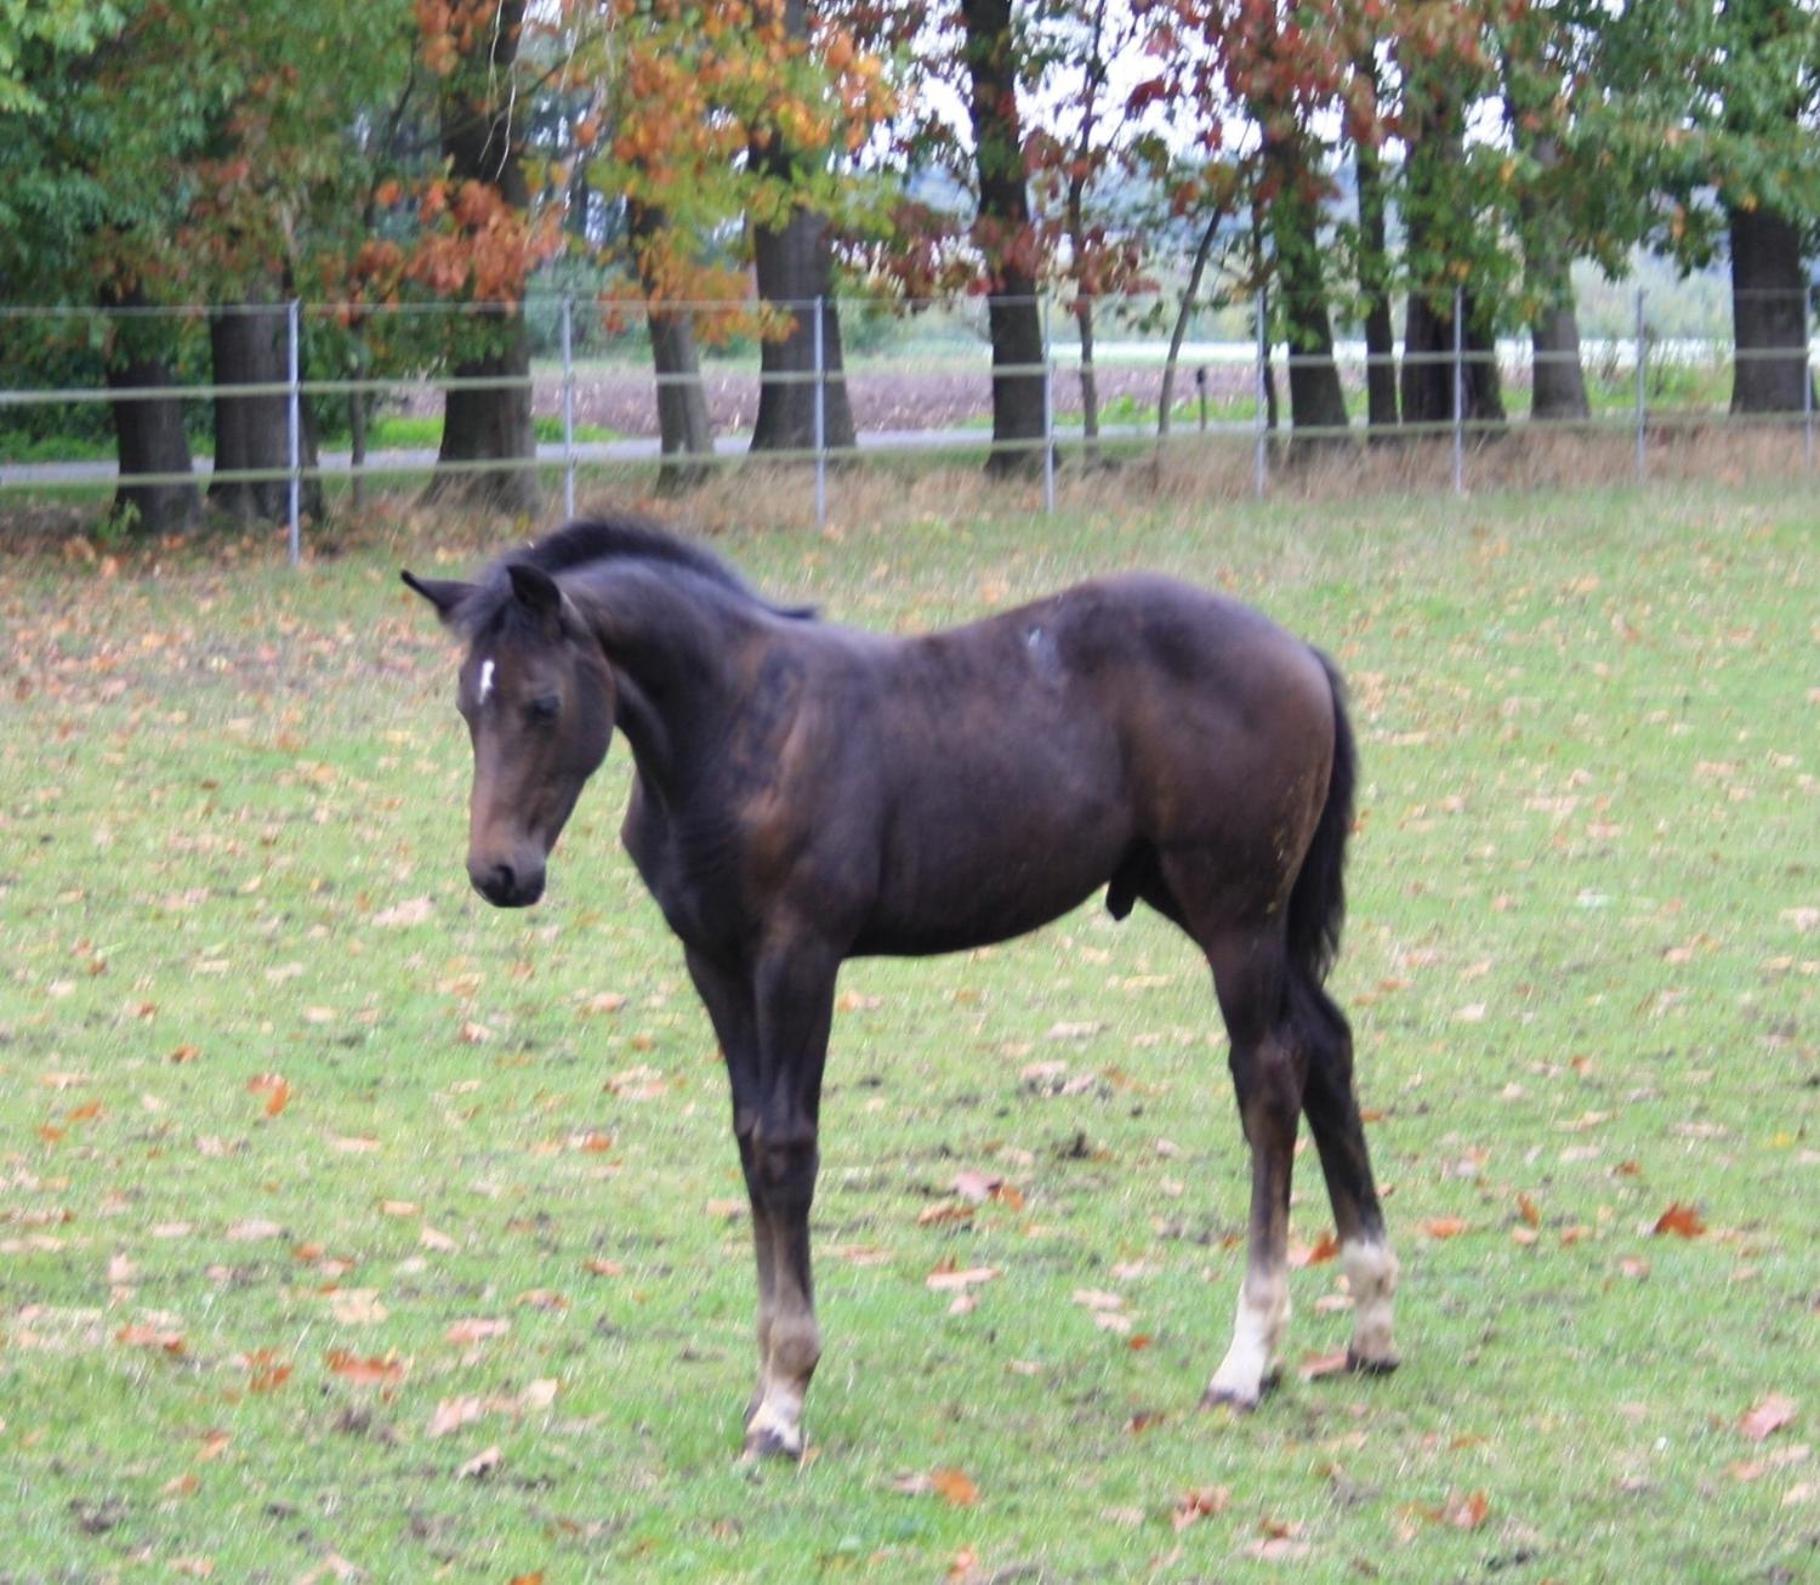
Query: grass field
{"x": 351, "y": 1229}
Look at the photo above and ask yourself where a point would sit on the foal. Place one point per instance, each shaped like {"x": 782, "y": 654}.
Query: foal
{"x": 806, "y": 793}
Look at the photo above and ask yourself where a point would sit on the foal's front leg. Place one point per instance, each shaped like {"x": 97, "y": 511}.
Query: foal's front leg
{"x": 728, "y": 996}
{"x": 795, "y": 1004}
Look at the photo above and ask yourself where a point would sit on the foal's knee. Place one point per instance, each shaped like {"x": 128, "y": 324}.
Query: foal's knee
{"x": 784, "y": 1166}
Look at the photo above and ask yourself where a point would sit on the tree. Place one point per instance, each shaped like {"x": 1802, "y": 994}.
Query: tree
{"x": 486, "y": 209}
{"x": 1452, "y": 247}
{"x": 1005, "y": 238}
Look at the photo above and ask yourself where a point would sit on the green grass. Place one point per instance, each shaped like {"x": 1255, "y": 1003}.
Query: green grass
{"x": 1581, "y": 963}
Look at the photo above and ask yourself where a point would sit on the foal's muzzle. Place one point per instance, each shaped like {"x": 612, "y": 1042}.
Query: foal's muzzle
{"x": 506, "y": 887}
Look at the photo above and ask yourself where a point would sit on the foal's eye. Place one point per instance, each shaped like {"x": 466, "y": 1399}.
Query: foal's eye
{"x": 544, "y": 708}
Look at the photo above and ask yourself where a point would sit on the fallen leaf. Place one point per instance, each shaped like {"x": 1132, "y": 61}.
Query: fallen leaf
{"x": 481, "y": 1465}
{"x": 1467, "y": 1513}
{"x": 975, "y": 1187}
{"x": 1317, "y": 1366}
{"x": 477, "y": 1330}
{"x": 1769, "y": 1416}
{"x": 356, "y": 1306}
{"x": 253, "y": 1230}
{"x": 944, "y": 1211}
{"x": 955, "y": 1487}
{"x": 1526, "y": 1208}
{"x": 414, "y": 912}
{"x": 276, "y": 1091}
{"x": 1197, "y": 1503}
{"x": 1444, "y": 1227}
{"x": 388, "y": 1371}
{"x": 139, "y": 1335}
{"x": 266, "y": 1372}
{"x": 955, "y": 1281}
{"x": 1680, "y": 1219}
{"x": 453, "y": 1413}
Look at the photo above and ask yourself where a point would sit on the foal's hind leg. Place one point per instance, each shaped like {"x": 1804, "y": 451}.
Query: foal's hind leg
{"x": 1339, "y": 1133}
{"x": 1268, "y": 1072}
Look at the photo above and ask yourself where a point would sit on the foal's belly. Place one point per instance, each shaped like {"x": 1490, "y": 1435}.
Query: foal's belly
{"x": 967, "y": 900}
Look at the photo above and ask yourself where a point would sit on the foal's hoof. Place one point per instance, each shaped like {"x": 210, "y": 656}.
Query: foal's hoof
{"x": 1363, "y": 1365}
{"x": 773, "y": 1442}
{"x": 1216, "y": 1397}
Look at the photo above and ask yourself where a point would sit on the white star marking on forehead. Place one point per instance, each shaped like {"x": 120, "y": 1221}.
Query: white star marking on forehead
{"x": 486, "y": 680}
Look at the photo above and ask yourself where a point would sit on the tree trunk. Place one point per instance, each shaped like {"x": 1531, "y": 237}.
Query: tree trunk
{"x": 1558, "y": 391}
{"x": 794, "y": 270}
{"x": 1316, "y": 399}
{"x": 1090, "y": 386}
{"x": 1374, "y": 287}
{"x": 683, "y": 426}
{"x": 149, "y": 431}
{"x": 1179, "y": 333}
{"x": 1002, "y": 232}
{"x": 1428, "y": 366}
{"x": 794, "y": 264}
{"x": 1769, "y": 323}
{"x": 482, "y": 142}
{"x": 250, "y": 345}
{"x": 1559, "y": 388}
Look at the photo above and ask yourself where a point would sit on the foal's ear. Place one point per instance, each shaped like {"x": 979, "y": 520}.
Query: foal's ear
{"x": 445, "y": 594}
{"x": 537, "y": 592}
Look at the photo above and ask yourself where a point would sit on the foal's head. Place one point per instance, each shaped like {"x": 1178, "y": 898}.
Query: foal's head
{"x": 539, "y": 700}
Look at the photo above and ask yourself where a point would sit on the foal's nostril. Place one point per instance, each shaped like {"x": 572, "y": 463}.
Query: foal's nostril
{"x": 502, "y": 882}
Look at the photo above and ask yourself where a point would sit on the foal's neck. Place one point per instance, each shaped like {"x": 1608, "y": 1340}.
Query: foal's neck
{"x": 672, "y": 640}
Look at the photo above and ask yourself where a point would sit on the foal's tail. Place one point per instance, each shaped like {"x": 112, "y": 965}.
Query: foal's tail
{"x": 1317, "y": 903}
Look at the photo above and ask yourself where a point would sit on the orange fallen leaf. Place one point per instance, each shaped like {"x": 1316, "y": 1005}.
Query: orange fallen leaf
{"x": 139, "y": 1335}
{"x": 1317, "y": 1366}
{"x": 372, "y": 1372}
{"x": 1526, "y": 1208}
{"x": 276, "y": 1091}
{"x": 1769, "y": 1416}
{"x": 266, "y": 1372}
{"x": 963, "y": 1564}
{"x": 1467, "y": 1513}
{"x": 1197, "y": 1503}
{"x": 1680, "y": 1219}
{"x": 955, "y": 1487}
{"x": 1444, "y": 1227}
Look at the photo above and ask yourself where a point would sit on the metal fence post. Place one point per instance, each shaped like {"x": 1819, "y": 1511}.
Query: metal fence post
{"x": 821, "y": 420}
{"x": 1459, "y": 390}
{"x": 1048, "y": 417}
{"x": 568, "y": 407}
{"x": 1807, "y": 378}
{"x": 1260, "y": 461}
{"x": 294, "y": 423}
{"x": 1642, "y": 391}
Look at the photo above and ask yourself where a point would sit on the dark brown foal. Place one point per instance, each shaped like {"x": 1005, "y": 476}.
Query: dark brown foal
{"x": 806, "y": 794}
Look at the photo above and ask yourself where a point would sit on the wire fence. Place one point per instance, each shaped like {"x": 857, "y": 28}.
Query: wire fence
{"x": 403, "y": 360}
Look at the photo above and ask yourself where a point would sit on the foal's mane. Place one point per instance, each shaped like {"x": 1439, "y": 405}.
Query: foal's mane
{"x": 593, "y": 543}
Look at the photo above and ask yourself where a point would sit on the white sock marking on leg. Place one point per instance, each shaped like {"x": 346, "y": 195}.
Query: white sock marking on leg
{"x": 1371, "y": 1274}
